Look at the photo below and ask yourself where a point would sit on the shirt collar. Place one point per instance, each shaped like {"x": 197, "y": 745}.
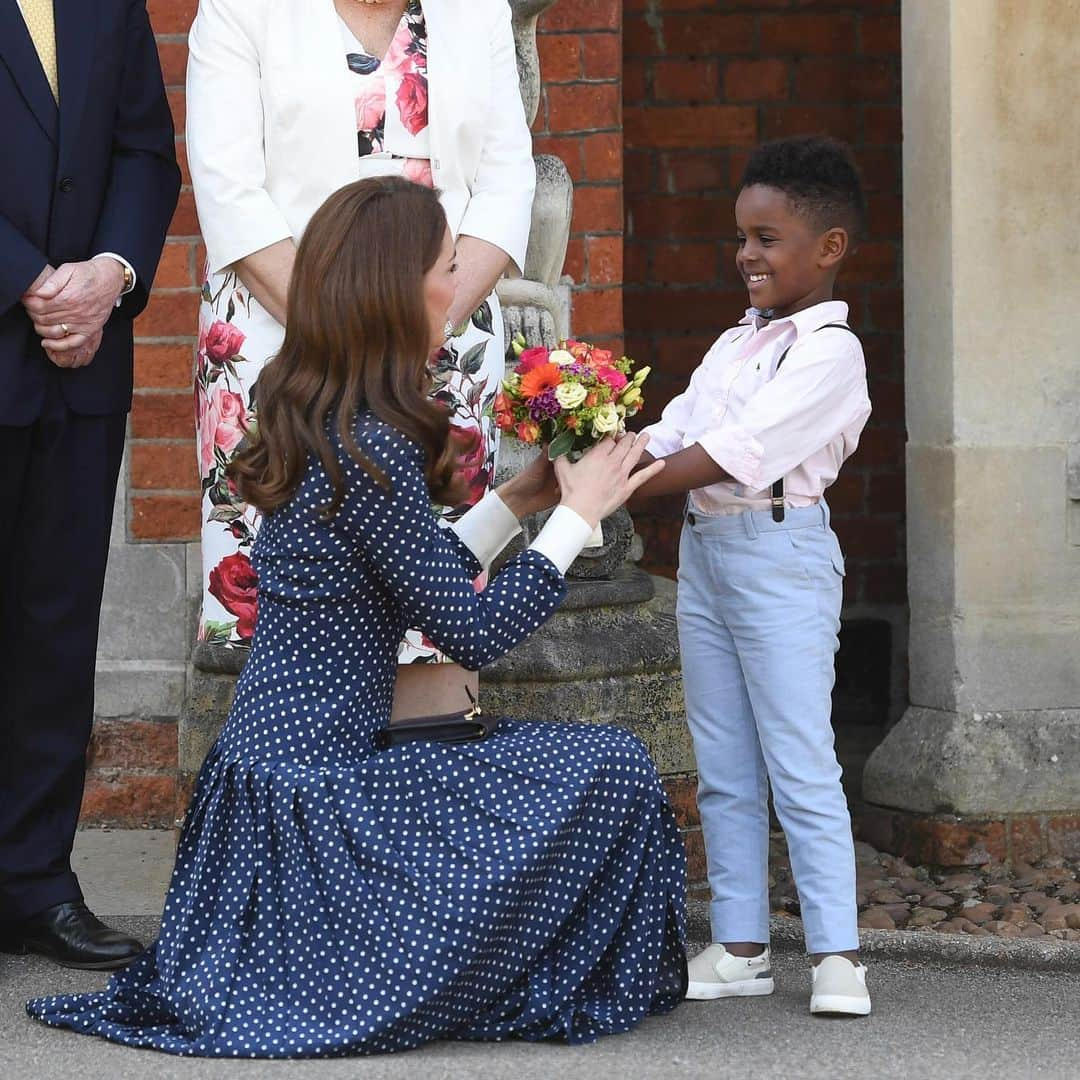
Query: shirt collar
{"x": 804, "y": 322}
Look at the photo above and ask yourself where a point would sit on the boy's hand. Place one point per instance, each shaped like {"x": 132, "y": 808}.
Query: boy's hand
{"x": 533, "y": 489}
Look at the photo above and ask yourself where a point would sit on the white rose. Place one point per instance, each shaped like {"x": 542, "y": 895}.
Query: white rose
{"x": 560, "y": 357}
{"x": 570, "y": 395}
{"x": 606, "y": 421}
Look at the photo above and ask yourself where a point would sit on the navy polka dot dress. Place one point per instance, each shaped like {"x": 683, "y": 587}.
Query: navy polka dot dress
{"x": 329, "y": 899}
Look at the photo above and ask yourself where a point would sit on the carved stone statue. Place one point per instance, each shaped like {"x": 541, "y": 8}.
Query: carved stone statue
{"x": 537, "y": 305}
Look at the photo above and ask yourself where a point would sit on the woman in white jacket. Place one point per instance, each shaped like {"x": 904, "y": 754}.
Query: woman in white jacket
{"x": 287, "y": 101}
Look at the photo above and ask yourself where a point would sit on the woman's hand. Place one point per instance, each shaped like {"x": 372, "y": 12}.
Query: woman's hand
{"x": 266, "y": 274}
{"x": 601, "y": 481}
{"x": 479, "y": 266}
{"x": 535, "y": 488}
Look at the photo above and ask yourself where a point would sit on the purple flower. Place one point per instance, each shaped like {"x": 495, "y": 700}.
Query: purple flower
{"x": 544, "y": 406}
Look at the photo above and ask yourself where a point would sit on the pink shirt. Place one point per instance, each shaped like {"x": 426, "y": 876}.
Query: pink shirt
{"x": 758, "y": 424}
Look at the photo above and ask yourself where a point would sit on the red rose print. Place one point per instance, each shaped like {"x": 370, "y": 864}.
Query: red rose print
{"x": 371, "y": 106}
{"x": 222, "y": 423}
{"x": 398, "y": 55}
{"x": 234, "y": 584}
{"x": 472, "y": 461}
{"x": 418, "y": 170}
{"x": 412, "y": 102}
{"x": 223, "y": 341}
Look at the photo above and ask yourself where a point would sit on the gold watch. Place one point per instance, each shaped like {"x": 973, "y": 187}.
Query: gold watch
{"x": 129, "y": 279}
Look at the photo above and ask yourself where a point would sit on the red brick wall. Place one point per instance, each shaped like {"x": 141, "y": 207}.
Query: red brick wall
{"x": 580, "y": 118}
{"x": 163, "y": 480}
{"x": 704, "y": 80}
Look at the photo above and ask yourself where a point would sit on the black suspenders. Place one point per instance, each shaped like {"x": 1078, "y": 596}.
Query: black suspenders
{"x": 777, "y": 495}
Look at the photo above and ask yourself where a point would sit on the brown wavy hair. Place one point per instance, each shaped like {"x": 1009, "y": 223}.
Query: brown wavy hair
{"x": 358, "y": 336}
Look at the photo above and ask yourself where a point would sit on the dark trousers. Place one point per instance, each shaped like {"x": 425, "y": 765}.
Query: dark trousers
{"x": 57, "y": 484}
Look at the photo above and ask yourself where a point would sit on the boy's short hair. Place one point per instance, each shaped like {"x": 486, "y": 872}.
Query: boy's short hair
{"x": 819, "y": 176}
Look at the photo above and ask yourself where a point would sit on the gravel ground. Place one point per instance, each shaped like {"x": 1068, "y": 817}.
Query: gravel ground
{"x": 1041, "y": 901}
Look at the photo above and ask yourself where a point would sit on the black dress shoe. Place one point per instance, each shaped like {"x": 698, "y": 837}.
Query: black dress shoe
{"x": 74, "y": 937}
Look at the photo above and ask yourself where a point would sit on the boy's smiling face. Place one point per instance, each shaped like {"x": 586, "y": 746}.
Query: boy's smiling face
{"x": 786, "y": 262}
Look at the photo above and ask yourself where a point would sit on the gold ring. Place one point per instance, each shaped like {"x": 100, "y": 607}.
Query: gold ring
{"x": 64, "y": 329}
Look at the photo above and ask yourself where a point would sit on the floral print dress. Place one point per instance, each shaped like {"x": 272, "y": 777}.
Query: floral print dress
{"x": 392, "y": 135}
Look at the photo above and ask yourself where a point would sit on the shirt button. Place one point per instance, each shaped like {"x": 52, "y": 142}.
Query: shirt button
{"x": 690, "y": 519}
{"x": 66, "y": 184}
{"x": 436, "y": 164}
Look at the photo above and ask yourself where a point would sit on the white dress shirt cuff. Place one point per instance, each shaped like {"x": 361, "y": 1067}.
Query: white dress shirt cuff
{"x": 562, "y": 537}
{"x": 487, "y": 528}
{"x": 737, "y": 452}
{"x": 127, "y": 266}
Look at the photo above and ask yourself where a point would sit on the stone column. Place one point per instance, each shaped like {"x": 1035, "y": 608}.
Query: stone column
{"x": 985, "y": 763}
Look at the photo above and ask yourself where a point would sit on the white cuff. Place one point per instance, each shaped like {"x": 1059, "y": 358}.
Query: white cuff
{"x": 562, "y": 537}
{"x": 487, "y": 528}
{"x": 124, "y": 263}
{"x": 663, "y": 441}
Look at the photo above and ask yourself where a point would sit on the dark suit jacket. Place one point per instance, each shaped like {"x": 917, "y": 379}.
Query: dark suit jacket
{"x": 98, "y": 174}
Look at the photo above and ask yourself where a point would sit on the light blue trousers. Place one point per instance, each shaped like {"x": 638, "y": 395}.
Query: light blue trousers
{"x": 759, "y": 610}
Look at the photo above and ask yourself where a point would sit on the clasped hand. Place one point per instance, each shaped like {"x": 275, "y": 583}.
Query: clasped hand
{"x": 594, "y": 487}
{"x": 69, "y": 307}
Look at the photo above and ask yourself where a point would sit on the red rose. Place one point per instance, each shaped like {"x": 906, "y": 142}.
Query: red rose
{"x": 234, "y": 584}
{"x": 412, "y": 104}
{"x": 613, "y": 377}
{"x": 223, "y": 341}
{"x": 531, "y": 358}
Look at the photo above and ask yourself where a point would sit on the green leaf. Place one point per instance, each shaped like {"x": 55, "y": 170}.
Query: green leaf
{"x": 561, "y": 444}
{"x": 481, "y": 318}
{"x": 214, "y": 631}
{"x": 473, "y": 360}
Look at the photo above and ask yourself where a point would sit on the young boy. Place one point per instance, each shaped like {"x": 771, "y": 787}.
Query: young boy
{"x": 770, "y": 415}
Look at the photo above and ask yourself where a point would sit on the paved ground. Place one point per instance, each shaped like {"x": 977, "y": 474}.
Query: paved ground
{"x": 930, "y": 1021}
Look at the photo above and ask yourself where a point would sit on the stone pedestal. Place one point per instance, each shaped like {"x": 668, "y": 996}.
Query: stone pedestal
{"x": 610, "y": 654}
{"x": 986, "y": 761}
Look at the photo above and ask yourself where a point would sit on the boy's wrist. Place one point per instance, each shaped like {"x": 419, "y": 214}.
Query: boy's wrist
{"x": 517, "y": 501}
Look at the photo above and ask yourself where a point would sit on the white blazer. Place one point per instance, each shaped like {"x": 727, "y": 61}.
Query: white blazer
{"x": 271, "y": 122}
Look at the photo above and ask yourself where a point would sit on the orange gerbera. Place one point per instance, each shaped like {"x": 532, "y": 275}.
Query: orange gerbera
{"x": 544, "y": 377}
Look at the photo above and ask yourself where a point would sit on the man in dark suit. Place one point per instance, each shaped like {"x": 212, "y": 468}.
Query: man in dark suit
{"x": 87, "y": 190}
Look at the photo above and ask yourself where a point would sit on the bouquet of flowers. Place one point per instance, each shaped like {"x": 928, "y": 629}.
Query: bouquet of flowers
{"x": 569, "y": 398}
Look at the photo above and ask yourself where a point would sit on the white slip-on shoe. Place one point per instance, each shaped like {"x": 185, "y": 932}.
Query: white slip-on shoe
{"x": 838, "y": 988}
{"x": 715, "y": 973}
